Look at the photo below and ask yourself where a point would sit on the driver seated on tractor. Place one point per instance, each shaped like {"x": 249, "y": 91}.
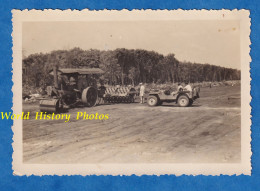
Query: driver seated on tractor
{"x": 72, "y": 84}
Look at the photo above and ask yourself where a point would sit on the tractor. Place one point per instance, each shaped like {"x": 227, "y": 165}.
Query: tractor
{"x": 183, "y": 97}
{"x": 72, "y": 86}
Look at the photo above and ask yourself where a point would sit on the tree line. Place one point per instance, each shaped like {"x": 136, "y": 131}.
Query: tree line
{"x": 123, "y": 66}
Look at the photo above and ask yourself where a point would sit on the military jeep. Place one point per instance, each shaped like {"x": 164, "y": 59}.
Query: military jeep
{"x": 183, "y": 98}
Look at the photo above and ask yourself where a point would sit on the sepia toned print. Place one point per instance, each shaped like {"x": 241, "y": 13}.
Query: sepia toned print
{"x": 131, "y": 92}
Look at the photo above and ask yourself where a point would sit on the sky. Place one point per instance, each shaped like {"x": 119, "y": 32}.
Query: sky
{"x": 213, "y": 42}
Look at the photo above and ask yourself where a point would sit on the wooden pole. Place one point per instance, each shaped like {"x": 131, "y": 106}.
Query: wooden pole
{"x": 55, "y": 75}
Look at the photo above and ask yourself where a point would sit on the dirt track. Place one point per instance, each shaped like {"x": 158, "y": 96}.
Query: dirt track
{"x": 209, "y": 131}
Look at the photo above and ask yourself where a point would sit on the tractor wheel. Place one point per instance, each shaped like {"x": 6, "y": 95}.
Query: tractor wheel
{"x": 89, "y": 96}
{"x": 183, "y": 101}
{"x": 152, "y": 101}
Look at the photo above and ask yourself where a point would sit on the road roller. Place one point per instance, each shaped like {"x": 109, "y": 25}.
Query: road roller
{"x": 72, "y": 87}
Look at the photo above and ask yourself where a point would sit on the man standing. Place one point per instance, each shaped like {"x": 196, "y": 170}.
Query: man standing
{"x": 142, "y": 90}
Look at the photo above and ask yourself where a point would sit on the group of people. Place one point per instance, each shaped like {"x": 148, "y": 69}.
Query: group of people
{"x": 181, "y": 87}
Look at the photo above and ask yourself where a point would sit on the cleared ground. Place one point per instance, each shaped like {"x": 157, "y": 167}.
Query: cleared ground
{"x": 209, "y": 131}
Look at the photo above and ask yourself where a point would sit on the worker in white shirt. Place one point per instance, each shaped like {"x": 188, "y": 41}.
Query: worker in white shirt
{"x": 142, "y": 90}
{"x": 187, "y": 87}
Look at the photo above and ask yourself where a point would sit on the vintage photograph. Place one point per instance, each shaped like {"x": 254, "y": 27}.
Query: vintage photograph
{"x": 137, "y": 90}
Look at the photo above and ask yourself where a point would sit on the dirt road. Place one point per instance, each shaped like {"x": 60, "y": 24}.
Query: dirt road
{"x": 209, "y": 131}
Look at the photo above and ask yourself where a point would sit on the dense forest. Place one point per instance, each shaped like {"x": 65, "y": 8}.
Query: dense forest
{"x": 123, "y": 66}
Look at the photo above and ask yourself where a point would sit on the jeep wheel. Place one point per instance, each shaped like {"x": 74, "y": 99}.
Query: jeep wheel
{"x": 152, "y": 101}
{"x": 183, "y": 101}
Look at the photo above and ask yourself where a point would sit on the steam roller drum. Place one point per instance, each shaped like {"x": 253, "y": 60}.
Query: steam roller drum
{"x": 50, "y": 106}
{"x": 89, "y": 96}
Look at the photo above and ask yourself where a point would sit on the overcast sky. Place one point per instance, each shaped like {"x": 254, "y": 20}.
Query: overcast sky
{"x": 213, "y": 42}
